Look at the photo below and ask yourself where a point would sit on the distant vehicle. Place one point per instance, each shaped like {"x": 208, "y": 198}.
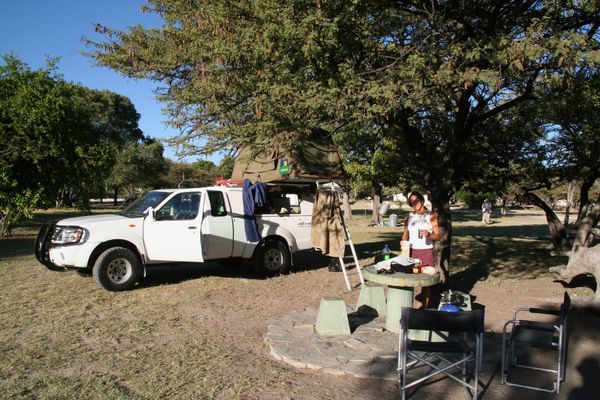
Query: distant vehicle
{"x": 180, "y": 225}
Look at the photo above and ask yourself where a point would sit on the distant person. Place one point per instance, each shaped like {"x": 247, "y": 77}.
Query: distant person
{"x": 486, "y": 210}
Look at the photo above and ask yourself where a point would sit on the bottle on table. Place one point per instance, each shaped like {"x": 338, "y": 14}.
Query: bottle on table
{"x": 386, "y": 254}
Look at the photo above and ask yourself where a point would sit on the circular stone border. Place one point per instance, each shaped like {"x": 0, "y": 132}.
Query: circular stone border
{"x": 369, "y": 352}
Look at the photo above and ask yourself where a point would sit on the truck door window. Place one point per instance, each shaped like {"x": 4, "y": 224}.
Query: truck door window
{"x": 217, "y": 204}
{"x": 181, "y": 207}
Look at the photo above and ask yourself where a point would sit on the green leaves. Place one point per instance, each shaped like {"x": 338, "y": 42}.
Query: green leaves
{"x": 425, "y": 76}
{"x": 58, "y": 138}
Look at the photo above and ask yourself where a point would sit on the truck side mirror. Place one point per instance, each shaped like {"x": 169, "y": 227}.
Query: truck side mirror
{"x": 150, "y": 211}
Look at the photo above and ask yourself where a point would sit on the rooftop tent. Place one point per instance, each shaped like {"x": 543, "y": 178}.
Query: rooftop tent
{"x": 313, "y": 158}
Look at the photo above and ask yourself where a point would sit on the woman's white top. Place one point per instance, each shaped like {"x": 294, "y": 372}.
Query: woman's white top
{"x": 416, "y": 222}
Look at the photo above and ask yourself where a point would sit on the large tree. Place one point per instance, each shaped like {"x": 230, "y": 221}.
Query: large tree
{"x": 569, "y": 113}
{"x": 58, "y": 139}
{"x": 137, "y": 166}
{"x": 189, "y": 175}
{"x": 573, "y": 125}
{"x": 428, "y": 73}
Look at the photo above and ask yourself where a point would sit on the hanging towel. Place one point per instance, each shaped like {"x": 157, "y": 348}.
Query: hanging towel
{"x": 250, "y": 226}
{"x": 327, "y": 233}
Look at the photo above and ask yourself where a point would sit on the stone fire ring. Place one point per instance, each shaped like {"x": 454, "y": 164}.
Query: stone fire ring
{"x": 369, "y": 352}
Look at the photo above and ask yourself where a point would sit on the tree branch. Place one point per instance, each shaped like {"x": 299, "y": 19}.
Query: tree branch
{"x": 509, "y": 104}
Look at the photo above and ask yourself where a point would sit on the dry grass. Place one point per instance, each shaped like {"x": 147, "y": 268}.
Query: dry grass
{"x": 197, "y": 331}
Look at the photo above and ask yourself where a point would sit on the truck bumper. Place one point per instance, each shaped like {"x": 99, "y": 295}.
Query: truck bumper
{"x": 60, "y": 258}
{"x": 71, "y": 256}
{"x": 42, "y": 247}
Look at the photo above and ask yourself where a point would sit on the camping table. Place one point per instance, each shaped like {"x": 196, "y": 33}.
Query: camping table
{"x": 400, "y": 291}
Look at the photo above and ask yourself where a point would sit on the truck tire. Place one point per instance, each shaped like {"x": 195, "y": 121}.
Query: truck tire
{"x": 273, "y": 258}
{"x": 117, "y": 269}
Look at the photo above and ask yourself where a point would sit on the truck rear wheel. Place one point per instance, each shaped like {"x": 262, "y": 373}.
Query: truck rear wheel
{"x": 117, "y": 269}
{"x": 273, "y": 258}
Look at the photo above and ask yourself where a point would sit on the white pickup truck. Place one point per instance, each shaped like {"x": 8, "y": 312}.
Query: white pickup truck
{"x": 180, "y": 225}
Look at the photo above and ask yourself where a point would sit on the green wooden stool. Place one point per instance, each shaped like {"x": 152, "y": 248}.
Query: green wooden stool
{"x": 372, "y": 296}
{"x": 332, "y": 318}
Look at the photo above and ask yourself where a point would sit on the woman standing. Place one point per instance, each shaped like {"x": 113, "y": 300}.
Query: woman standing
{"x": 421, "y": 229}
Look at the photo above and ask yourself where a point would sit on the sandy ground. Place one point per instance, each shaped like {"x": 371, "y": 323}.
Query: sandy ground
{"x": 499, "y": 299}
{"x": 221, "y": 313}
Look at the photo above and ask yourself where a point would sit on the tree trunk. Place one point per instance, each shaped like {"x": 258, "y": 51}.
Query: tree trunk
{"x": 346, "y": 199}
{"x": 570, "y": 194}
{"x": 583, "y": 235}
{"x": 440, "y": 202}
{"x": 346, "y": 205}
{"x": 582, "y": 261}
{"x": 115, "y": 198}
{"x": 584, "y": 199}
{"x": 585, "y": 222}
{"x": 5, "y": 228}
{"x": 558, "y": 232}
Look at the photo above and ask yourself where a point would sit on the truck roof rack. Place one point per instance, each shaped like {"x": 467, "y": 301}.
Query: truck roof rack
{"x": 220, "y": 181}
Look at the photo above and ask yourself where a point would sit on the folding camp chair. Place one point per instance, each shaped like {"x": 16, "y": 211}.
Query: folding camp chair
{"x": 542, "y": 335}
{"x": 447, "y": 357}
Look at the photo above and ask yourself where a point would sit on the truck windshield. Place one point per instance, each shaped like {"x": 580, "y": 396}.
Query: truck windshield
{"x": 139, "y": 207}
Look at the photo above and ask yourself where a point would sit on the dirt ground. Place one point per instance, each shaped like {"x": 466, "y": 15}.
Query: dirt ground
{"x": 246, "y": 317}
{"x": 198, "y": 331}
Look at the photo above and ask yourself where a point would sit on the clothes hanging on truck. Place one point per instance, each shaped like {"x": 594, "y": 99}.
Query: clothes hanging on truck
{"x": 260, "y": 193}
{"x": 327, "y": 232}
{"x": 252, "y": 195}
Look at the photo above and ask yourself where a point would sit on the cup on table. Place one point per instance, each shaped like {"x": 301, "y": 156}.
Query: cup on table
{"x": 405, "y": 248}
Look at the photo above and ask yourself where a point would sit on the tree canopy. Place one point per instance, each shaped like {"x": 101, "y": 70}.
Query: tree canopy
{"x": 58, "y": 139}
{"x": 427, "y": 77}
{"x": 137, "y": 166}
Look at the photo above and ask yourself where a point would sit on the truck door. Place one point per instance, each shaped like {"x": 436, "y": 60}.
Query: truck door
{"x": 173, "y": 233}
{"x": 217, "y": 227}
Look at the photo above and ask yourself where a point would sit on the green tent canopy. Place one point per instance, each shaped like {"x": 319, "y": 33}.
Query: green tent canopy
{"x": 312, "y": 158}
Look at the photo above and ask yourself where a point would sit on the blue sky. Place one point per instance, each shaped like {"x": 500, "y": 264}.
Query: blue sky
{"x": 34, "y": 29}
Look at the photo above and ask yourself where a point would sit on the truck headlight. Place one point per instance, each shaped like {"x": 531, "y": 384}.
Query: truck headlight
{"x": 67, "y": 234}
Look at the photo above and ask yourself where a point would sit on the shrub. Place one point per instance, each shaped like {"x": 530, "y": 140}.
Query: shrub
{"x": 474, "y": 200}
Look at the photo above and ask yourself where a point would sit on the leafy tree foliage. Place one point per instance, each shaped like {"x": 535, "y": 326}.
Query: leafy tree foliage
{"x": 225, "y": 167}
{"x": 426, "y": 75}
{"x": 58, "y": 139}
{"x": 137, "y": 167}
{"x": 183, "y": 175}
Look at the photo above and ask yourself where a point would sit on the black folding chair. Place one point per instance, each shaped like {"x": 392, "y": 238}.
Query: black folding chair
{"x": 464, "y": 345}
{"x": 536, "y": 334}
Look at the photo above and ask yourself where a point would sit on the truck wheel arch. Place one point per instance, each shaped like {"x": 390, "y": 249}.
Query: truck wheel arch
{"x": 102, "y": 247}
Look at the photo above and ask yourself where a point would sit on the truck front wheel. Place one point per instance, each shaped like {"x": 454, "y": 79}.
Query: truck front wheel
{"x": 117, "y": 268}
{"x": 273, "y": 258}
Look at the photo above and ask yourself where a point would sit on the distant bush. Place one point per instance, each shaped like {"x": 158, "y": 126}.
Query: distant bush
{"x": 473, "y": 200}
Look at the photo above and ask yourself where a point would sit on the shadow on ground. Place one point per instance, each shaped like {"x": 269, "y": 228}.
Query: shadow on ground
{"x": 16, "y": 247}
{"x": 169, "y": 274}
{"x": 582, "y": 368}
